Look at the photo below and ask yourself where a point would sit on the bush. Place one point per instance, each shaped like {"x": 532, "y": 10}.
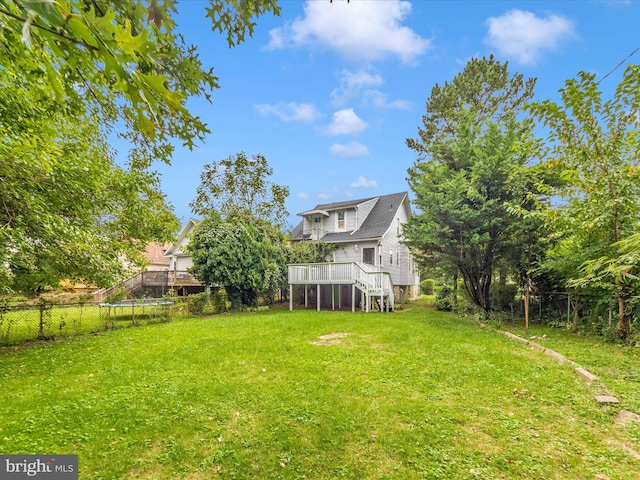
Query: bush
{"x": 197, "y": 303}
{"x": 427, "y": 287}
{"x": 219, "y": 300}
{"x": 116, "y": 297}
{"x": 444, "y": 299}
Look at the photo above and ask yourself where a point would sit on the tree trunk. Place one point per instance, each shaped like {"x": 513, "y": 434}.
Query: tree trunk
{"x": 455, "y": 289}
{"x": 623, "y": 323}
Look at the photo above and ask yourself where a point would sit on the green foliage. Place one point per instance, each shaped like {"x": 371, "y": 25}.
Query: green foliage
{"x": 244, "y": 254}
{"x": 503, "y": 296}
{"x": 219, "y": 300}
{"x": 197, "y": 302}
{"x": 125, "y": 59}
{"x": 71, "y": 74}
{"x": 311, "y": 252}
{"x": 116, "y": 297}
{"x": 67, "y": 209}
{"x": 427, "y": 286}
{"x": 594, "y": 144}
{"x": 471, "y": 172}
{"x": 444, "y": 299}
{"x": 238, "y": 186}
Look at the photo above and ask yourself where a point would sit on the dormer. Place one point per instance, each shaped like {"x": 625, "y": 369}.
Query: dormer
{"x": 314, "y": 225}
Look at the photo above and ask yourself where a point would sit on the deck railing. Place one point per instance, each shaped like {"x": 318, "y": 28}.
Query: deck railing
{"x": 365, "y": 277}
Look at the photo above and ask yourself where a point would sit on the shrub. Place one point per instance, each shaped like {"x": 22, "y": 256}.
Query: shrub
{"x": 197, "y": 302}
{"x": 219, "y": 300}
{"x": 116, "y": 297}
{"x": 427, "y": 287}
{"x": 444, "y": 299}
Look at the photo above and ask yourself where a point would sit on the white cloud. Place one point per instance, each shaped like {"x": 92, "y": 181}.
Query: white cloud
{"x": 352, "y": 83}
{"x": 290, "y": 112}
{"x": 325, "y": 195}
{"x": 353, "y": 149}
{"x": 379, "y": 100}
{"x": 524, "y": 36}
{"x": 303, "y": 195}
{"x": 362, "y": 182}
{"x": 362, "y": 31}
{"x": 345, "y": 122}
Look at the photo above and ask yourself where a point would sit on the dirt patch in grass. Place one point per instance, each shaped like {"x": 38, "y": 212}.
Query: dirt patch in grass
{"x": 330, "y": 338}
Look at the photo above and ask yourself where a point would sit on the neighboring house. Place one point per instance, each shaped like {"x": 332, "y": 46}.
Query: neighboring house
{"x": 166, "y": 272}
{"x": 369, "y": 234}
{"x": 154, "y": 254}
{"x": 157, "y": 262}
{"x": 180, "y": 261}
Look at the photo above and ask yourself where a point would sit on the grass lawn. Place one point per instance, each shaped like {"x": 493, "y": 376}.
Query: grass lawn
{"x": 415, "y": 394}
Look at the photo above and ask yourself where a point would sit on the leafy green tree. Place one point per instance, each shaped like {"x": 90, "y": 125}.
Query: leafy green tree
{"x": 469, "y": 150}
{"x": 67, "y": 210}
{"x": 239, "y": 185}
{"x": 595, "y": 144}
{"x": 311, "y": 252}
{"x": 244, "y": 254}
{"x": 125, "y": 59}
{"x": 72, "y": 73}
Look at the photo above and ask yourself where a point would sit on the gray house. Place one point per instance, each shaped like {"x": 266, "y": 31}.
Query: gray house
{"x": 371, "y": 267}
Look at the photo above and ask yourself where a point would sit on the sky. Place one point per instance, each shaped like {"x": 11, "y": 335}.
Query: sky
{"x": 328, "y": 92}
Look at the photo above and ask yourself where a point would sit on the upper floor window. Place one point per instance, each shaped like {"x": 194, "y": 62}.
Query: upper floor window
{"x": 341, "y": 223}
{"x": 391, "y": 256}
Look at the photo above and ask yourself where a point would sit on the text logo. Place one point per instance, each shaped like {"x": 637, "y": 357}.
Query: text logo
{"x": 45, "y": 467}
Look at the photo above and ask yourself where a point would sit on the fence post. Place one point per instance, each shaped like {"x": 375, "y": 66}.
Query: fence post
{"x": 41, "y": 326}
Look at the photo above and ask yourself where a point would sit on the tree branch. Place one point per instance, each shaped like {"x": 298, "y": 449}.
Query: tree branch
{"x": 47, "y": 29}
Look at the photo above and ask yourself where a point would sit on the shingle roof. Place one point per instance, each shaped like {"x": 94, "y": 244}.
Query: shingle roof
{"x": 376, "y": 224}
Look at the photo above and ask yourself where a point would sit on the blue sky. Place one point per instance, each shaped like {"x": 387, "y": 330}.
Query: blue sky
{"x": 329, "y": 92}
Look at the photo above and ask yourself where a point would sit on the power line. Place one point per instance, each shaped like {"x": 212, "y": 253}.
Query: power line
{"x": 618, "y": 66}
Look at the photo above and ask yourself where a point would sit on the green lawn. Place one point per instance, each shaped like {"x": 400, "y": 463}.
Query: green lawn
{"x": 415, "y": 394}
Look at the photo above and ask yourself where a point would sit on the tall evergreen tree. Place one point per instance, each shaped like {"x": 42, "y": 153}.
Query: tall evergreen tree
{"x": 469, "y": 173}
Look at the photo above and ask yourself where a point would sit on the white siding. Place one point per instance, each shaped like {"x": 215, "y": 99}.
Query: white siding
{"x": 183, "y": 262}
{"x": 402, "y": 271}
{"x": 347, "y": 252}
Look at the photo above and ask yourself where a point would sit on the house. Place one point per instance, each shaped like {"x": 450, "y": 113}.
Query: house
{"x": 179, "y": 259}
{"x": 166, "y": 272}
{"x": 368, "y": 232}
{"x": 154, "y": 254}
{"x": 180, "y": 280}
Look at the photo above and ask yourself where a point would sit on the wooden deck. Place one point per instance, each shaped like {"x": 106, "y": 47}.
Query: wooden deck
{"x": 373, "y": 284}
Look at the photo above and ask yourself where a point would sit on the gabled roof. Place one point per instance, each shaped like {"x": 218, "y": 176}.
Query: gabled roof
{"x": 375, "y": 226}
{"x": 184, "y": 231}
{"x": 328, "y": 207}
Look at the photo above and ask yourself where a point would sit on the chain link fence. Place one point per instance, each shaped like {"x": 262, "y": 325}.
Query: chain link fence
{"x": 45, "y": 320}
{"x": 586, "y": 311}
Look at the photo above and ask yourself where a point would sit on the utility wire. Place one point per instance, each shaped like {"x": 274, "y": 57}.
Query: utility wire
{"x": 618, "y": 66}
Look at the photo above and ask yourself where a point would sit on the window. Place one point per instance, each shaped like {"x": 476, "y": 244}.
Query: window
{"x": 341, "y": 223}
{"x": 368, "y": 255}
{"x": 391, "y": 256}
